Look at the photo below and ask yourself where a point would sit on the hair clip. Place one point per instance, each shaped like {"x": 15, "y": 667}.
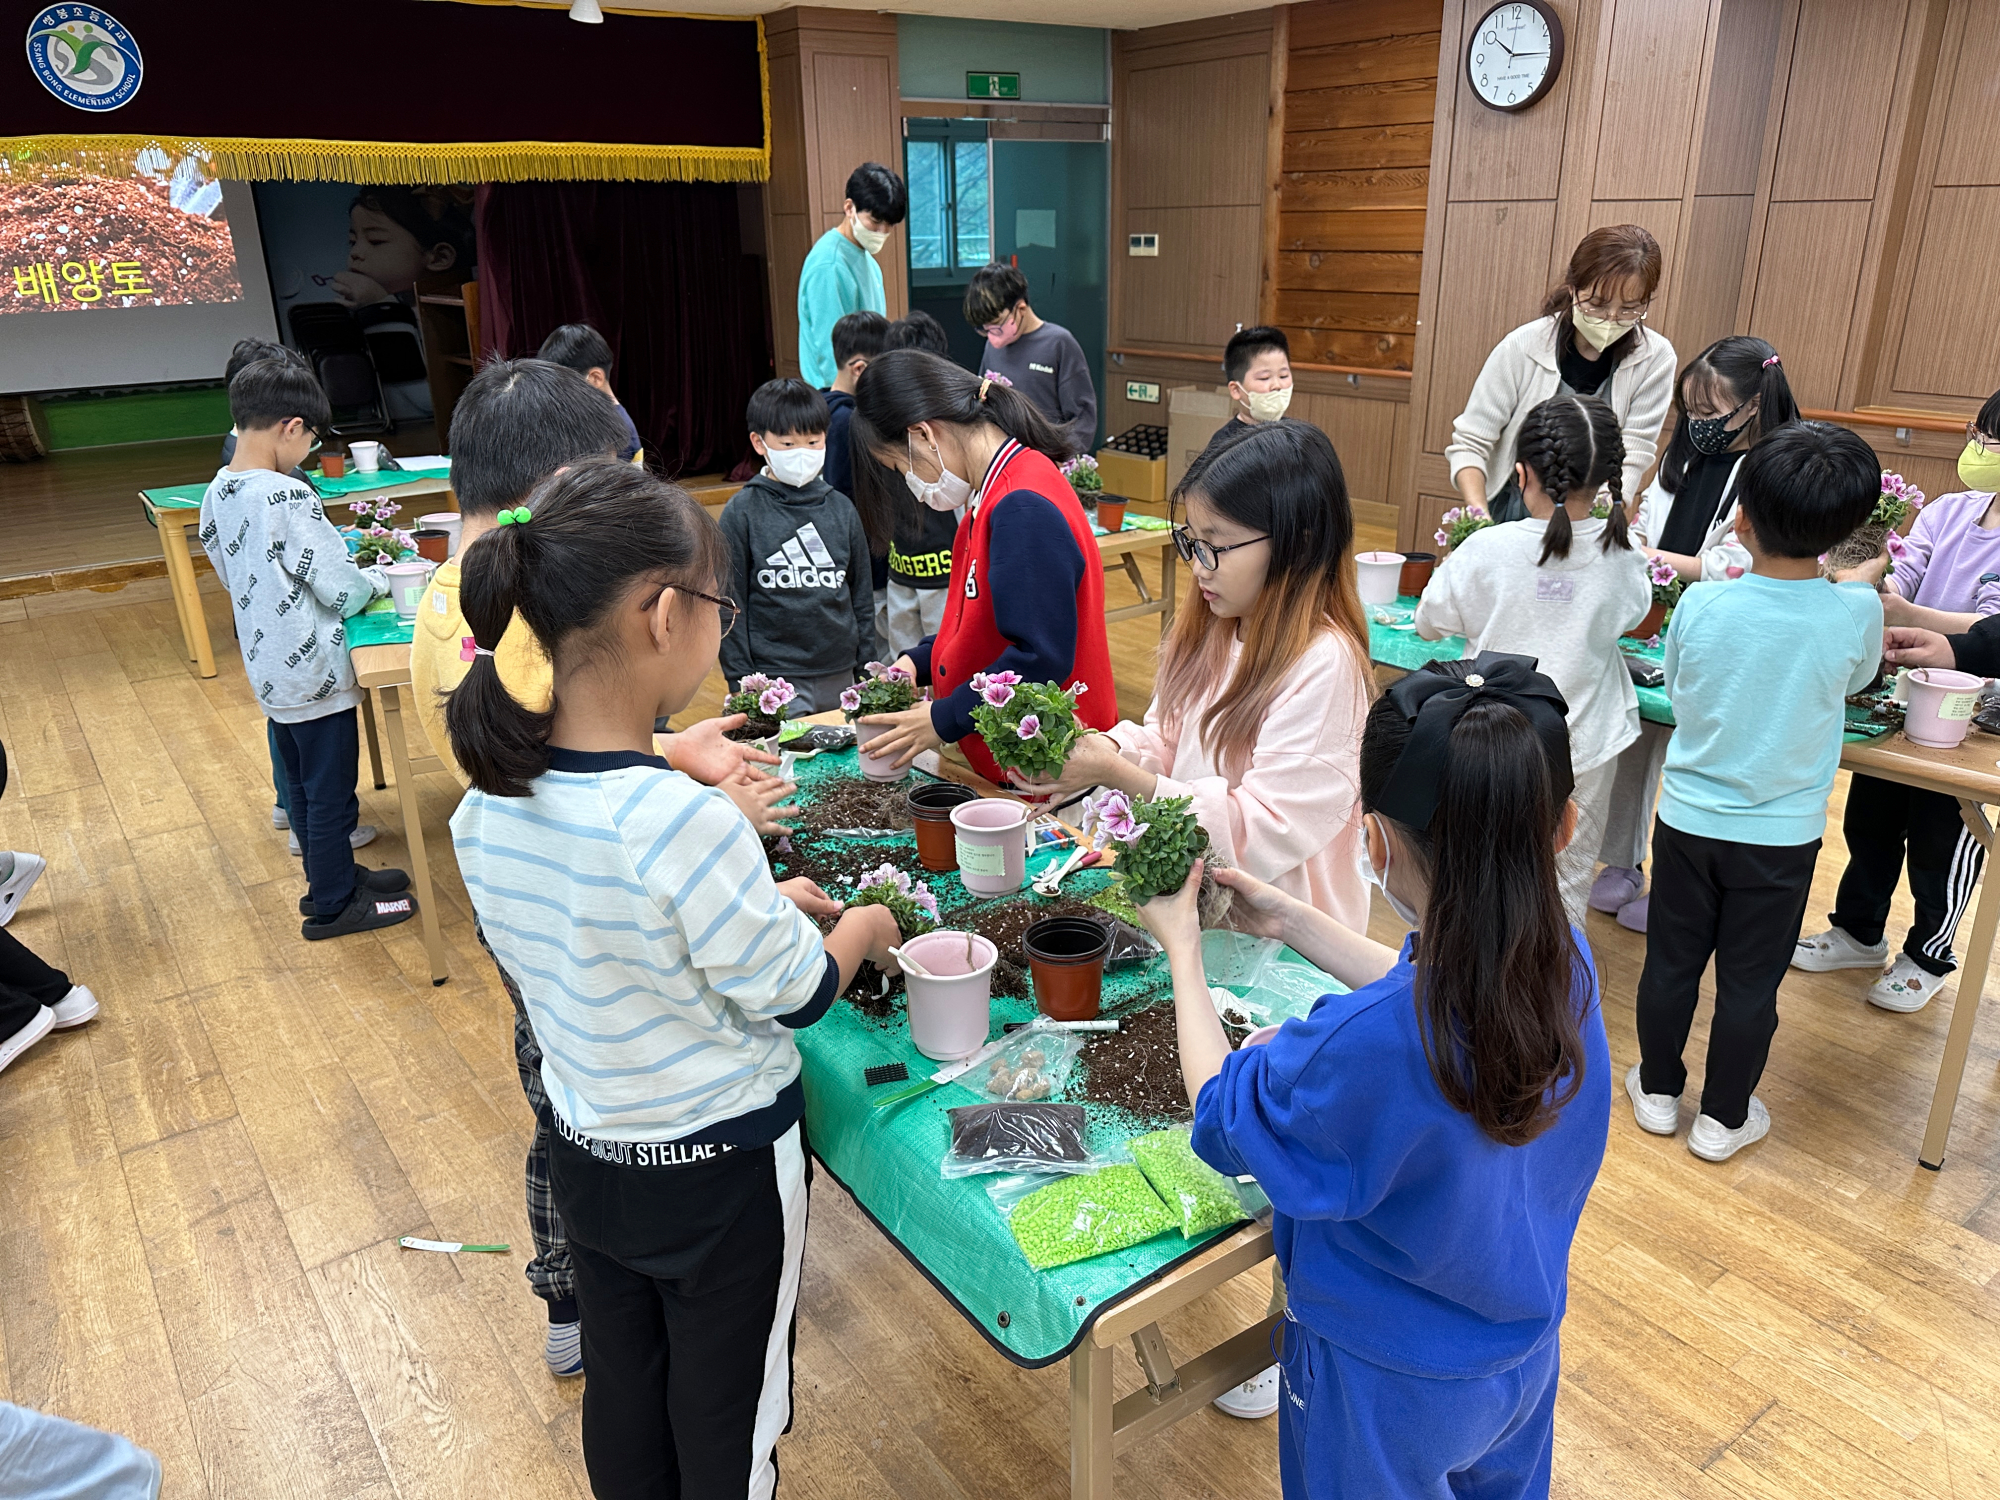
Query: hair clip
{"x": 982, "y": 388}
{"x": 1773, "y": 360}
{"x": 468, "y": 648}
{"x": 519, "y": 516}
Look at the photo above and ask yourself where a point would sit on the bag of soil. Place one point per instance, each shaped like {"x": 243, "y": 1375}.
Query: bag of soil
{"x": 1016, "y": 1138}
{"x": 1205, "y": 1200}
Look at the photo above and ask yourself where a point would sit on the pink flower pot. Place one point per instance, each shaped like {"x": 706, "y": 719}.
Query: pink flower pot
{"x": 992, "y": 845}
{"x": 1378, "y": 575}
{"x": 950, "y": 1013}
{"x": 1942, "y": 703}
{"x": 406, "y": 585}
{"x": 871, "y": 767}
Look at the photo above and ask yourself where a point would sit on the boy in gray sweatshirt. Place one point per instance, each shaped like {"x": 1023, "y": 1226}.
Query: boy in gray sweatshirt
{"x": 291, "y": 588}
{"x": 798, "y": 558}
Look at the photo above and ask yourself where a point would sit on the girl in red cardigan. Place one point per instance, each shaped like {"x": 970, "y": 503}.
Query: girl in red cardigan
{"x": 1027, "y": 581}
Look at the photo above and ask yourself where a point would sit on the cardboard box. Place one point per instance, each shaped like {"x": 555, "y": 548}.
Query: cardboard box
{"x": 1133, "y": 477}
{"x": 1192, "y": 419}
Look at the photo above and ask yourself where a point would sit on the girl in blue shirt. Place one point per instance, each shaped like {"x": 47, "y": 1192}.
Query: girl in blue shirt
{"x": 1427, "y": 1141}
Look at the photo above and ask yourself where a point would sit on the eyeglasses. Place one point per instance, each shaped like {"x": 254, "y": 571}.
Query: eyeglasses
{"x": 1204, "y": 555}
{"x": 727, "y": 611}
{"x": 1979, "y": 439}
{"x": 1613, "y": 312}
{"x": 319, "y": 438}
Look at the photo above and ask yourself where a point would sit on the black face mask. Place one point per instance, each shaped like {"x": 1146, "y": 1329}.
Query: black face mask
{"x": 1713, "y": 435}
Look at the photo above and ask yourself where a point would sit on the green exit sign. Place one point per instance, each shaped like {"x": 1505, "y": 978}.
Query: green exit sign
{"x": 992, "y": 85}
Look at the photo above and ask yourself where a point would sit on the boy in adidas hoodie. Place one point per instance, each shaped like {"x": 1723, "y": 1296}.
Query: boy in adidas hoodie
{"x": 798, "y": 558}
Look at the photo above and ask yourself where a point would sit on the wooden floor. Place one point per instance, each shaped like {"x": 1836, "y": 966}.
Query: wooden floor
{"x": 202, "y": 1190}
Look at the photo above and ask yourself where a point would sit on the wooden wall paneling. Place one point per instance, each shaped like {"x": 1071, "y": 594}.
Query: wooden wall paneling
{"x": 1200, "y": 286}
{"x": 1367, "y": 146}
{"x": 1739, "y": 97}
{"x": 1837, "y": 99}
{"x": 1195, "y": 114}
{"x": 788, "y": 221}
{"x": 1810, "y": 272}
{"x": 1341, "y": 192}
{"x": 1274, "y": 162}
{"x": 1495, "y": 157}
{"x": 1970, "y": 149}
{"x": 1951, "y": 322}
{"x": 1383, "y": 230}
{"x": 1498, "y": 254}
{"x": 1333, "y": 23}
{"x": 1390, "y": 101}
{"x": 1402, "y": 476}
{"x": 1350, "y": 270}
{"x": 1588, "y": 64}
{"x": 1414, "y": 446}
{"x": 1652, "y": 81}
{"x": 1363, "y": 434}
{"x": 1767, "y": 161}
{"x": 1711, "y": 273}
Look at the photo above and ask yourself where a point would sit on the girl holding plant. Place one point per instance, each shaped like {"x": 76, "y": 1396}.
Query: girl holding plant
{"x": 1027, "y": 580}
{"x": 1264, "y": 680}
{"x": 1427, "y": 1141}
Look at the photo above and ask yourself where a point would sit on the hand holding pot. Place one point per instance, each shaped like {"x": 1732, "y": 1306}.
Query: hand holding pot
{"x": 1908, "y": 646}
{"x": 1094, "y": 760}
{"x": 703, "y": 753}
{"x": 1174, "y": 919}
{"x": 906, "y": 735}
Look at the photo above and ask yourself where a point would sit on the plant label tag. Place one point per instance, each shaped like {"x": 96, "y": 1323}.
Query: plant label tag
{"x": 982, "y": 859}
{"x": 1958, "y": 705}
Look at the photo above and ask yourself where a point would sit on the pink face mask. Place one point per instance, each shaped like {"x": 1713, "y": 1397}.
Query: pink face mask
{"x": 1004, "y": 332}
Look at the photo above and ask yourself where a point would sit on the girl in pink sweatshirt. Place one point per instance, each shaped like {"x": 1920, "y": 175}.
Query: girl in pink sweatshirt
{"x": 1264, "y": 681}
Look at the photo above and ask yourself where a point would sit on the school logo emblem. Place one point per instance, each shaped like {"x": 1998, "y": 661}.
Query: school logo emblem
{"x": 84, "y": 56}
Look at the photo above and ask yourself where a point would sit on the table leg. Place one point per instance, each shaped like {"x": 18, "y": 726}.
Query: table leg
{"x": 374, "y": 745}
{"x": 1090, "y": 1423}
{"x": 1167, "y": 589}
{"x": 187, "y": 594}
{"x": 413, "y": 834}
{"x": 174, "y": 588}
{"x": 1138, "y": 579}
{"x": 1965, "y": 1001}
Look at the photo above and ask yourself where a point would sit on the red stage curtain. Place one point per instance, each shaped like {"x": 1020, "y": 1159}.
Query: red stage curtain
{"x": 658, "y": 268}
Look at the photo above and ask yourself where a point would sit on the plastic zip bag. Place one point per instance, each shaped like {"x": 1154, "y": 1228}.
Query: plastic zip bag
{"x": 1073, "y": 1218}
{"x": 1034, "y": 1064}
{"x": 1205, "y": 1200}
{"x": 1017, "y": 1138}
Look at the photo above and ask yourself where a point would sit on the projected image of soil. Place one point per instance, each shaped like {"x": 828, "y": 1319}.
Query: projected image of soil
{"x": 88, "y": 241}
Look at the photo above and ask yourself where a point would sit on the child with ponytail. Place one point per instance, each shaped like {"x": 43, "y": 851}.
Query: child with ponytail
{"x": 1427, "y": 1141}
{"x": 1561, "y": 586}
{"x": 663, "y": 971}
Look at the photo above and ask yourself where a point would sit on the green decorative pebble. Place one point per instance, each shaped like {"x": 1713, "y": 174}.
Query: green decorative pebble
{"x": 1089, "y": 1214}
{"x": 1204, "y": 1198}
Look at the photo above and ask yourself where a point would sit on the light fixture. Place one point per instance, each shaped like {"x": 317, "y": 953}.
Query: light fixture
{"x": 586, "y": 11}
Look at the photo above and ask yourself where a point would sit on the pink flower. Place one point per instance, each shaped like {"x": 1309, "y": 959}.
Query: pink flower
{"x": 1660, "y": 571}
{"x": 756, "y": 682}
{"x": 1110, "y": 813}
{"x": 874, "y": 669}
{"x": 898, "y": 674}
{"x": 886, "y": 875}
{"x": 1077, "y": 690}
{"x": 851, "y": 700}
{"x": 1652, "y": 643}
{"x": 997, "y": 694}
{"x": 924, "y": 901}
{"x": 1030, "y": 727}
{"x": 1442, "y": 539}
{"x": 1005, "y": 679}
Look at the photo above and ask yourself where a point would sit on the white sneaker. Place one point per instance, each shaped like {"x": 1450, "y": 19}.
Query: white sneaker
{"x": 27, "y": 870}
{"x": 280, "y": 819}
{"x": 1658, "y": 1114}
{"x": 39, "y": 1026}
{"x": 363, "y": 835}
{"x": 1834, "y": 949}
{"x": 1712, "y": 1142}
{"x": 1253, "y": 1399}
{"x": 1906, "y": 987}
{"x": 78, "y": 1006}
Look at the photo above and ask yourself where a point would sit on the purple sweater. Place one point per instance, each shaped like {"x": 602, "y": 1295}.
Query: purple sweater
{"x": 1953, "y": 562}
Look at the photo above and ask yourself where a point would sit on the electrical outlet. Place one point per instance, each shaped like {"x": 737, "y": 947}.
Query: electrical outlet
{"x": 1142, "y": 244}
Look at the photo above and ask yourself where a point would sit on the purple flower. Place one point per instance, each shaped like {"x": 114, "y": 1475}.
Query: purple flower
{"x": 850, "y": 700}
{"x": 886, "y": 875}
{"x": 756, "y": 682}
{"x": 1079, "y": 689}
{"x": 898, "y": 674}
{"x": 874, "y": 669}
{"x": 1110, "y": 813}
{"x": 996, "y": 694}
{"x": 1030, "y": 727}
{"x": 1898, "y": 549}
{"x": 1451, "y": 515}
{"x": 979, "y": 680}
{"x": 1443, "y": 540}
{"x": 1005, "y": 679}
{"x": 924, "y": 901}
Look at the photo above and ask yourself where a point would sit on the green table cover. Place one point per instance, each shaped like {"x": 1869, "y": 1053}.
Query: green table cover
{"x": 379, "y": 625}
{"x": 888, "y": 1159}
{"x": 1136, "y": 522}
{"x": 188, "y": 496}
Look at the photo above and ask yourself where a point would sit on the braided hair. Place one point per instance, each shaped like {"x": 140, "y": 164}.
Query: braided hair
{"x": 1572, "y": 445}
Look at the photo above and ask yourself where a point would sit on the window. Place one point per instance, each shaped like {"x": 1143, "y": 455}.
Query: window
{"x": 948, "y": 166}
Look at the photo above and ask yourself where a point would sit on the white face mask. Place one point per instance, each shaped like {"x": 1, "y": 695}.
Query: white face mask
{"x": 1381, "y": 882}
{"x": 871, "y": 240}
{"x": 1267, "y": 406}
{"x": 946, "y": 492}
{"x": 795, "y": 466}
{"x": 1601, "y": 333}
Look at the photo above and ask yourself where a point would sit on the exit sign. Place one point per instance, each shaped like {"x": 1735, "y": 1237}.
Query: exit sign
{"x": 1142, "y": 390}
{"x": 992, "y": 85}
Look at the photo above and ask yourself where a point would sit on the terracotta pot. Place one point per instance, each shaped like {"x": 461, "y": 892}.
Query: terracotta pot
{"x": 433, "y": 545}
{"x": 1111, "y": 514}
{"x": 333, "y": 465}
{"x": 1649, "y": 627}
{"x": 1066, "y": 959}
{"x": 930, "y": 808}
{"x": 1417, "y": 570}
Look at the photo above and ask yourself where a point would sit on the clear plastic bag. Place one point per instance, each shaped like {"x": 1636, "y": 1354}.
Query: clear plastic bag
{"x": 1017, "y": 1138}
{"x": 1205, "y": 1200}
{"x": 1034, "y": 1064}
{"x": 1282, "y": 985}
{"x": 1073, "y": 1218}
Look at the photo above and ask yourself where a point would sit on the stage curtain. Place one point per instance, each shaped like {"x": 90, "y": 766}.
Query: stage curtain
{"x": 659, "y": 270}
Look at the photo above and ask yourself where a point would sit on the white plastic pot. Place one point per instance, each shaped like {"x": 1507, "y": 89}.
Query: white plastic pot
{"x": 883, "y": 769}
{"x": 992, "y": 838}
{"x": 447, "y": 521}
{"x": 1378, "y": 574}
{"x": 951, "y": 1013}
{"x": 1942, "y": 703}
{"x": 407, "y": 581}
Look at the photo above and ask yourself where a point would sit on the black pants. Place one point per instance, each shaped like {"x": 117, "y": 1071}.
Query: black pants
{"x": 687, "y": 1278}
{"x": 26, "y": 984}
{"x": 1742, "y": 903}
{"x": 1945, "y": 861}
{"x": 322, "y": 757}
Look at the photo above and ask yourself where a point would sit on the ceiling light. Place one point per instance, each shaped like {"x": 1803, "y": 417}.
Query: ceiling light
{"x": 586, "y": 11}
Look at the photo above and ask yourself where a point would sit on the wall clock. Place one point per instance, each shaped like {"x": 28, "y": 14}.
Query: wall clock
{"x": 1514, "y": 55}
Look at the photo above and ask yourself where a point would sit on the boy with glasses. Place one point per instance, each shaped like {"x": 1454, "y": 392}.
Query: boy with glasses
{"x": 291, "y": 587}
{"x": 1041, "y": 360}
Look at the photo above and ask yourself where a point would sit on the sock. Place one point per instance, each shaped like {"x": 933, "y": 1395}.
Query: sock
{"x": 563, "y": 1353}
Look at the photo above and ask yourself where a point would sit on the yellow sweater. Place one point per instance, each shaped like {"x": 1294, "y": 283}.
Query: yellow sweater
{"x": 438, "y": 661}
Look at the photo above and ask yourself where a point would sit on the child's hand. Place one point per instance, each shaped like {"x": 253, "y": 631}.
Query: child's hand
{"x": 1174, "y": 919}
{"x": 1907, "y": 646}
{"x": 757, "y": 796}
{"x": 876, "y": 927}
{"x": 910, "y": 733}
{"x": 703, "y": 753}
{"x": 1896, "y": 610}
{"x": 1094, "y": 761}
{"x": 1259, "y": 908}
{"x": 809, "y": 898}
{"x": 1869, "y": 572}
{"x": 357, "y": 290}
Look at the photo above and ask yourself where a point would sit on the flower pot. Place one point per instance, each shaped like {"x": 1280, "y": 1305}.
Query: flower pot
{"x": 1258, "y": 1038}
{"x": 333, "y": 465}
{"x": 882, "y": 769}
{"x": 433, "y": 546}
{"x": 367, "y": 457}
{"x": 951, "y": 1012}
{"x": 930, "y": 808}
{"x": 406, "y": 585}
{"x": 447, "y": 521}
{"x": 991, "y": 835}
{"x": 1417, "y": 570}
{"x": 1379, "y": 574}
{"x": 1066, "y": 960}
{"x": 1111, "y": 513}
{"x": 754, "y": 731}
{"x": 1942, "y": 703}
{"x": 1649, "y": 627}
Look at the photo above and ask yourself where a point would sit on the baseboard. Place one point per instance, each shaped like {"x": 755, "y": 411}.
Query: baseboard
{"x": 104, "y": 578}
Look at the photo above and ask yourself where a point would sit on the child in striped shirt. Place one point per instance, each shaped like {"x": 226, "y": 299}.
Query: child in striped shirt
{"x": 662, "y": 968}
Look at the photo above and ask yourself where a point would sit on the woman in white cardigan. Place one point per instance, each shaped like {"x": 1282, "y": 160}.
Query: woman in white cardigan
{"x": 1591, "y": 340}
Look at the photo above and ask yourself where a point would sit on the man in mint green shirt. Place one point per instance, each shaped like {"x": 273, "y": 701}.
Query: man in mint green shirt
{"x": 840, "y": 275}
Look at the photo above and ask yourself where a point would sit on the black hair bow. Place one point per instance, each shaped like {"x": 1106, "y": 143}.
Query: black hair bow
{"x": 1433, "y": 701}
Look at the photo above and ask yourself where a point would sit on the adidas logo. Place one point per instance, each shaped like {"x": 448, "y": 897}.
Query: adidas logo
{"x": 802, "y": 563}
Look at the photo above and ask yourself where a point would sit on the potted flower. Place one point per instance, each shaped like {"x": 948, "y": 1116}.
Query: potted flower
{"x": 1028, "y": 727}
{"x": 763, "y": 699}
{"x": 885, "y": 690}
{"x": 380, "y": 543}
{"x": 1160, "y": 842}
{"x": 910, "y": 902}
{"x": 1667, "y": 588}
{"x": 1458, "y": 523}
{"x": 1898, "y": 501}
{"x": 1081, "y": 472}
